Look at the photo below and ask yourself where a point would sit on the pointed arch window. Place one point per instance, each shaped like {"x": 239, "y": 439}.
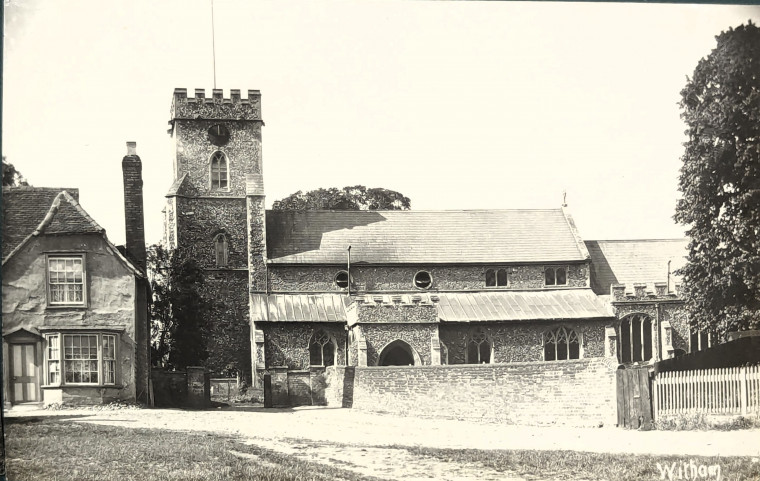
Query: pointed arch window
{"x": 561, "y": 344}
{"x": 221, "y": 250}
{"x": 478, "y": 347}
{"x": 321, "y": 349}
{"x": 219, "y": 173}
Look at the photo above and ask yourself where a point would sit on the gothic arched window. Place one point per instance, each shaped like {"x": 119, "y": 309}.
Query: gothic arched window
{"x": 478, "y": 347}
{"x": 321, "y": 349}
{"x": 561, "y": 344}
{"x": 220, "y": 250}
{"x": 219, "y": 174}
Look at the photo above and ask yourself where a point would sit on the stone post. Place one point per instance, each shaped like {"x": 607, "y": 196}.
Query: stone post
{"x": 666, "y": 331}
{"x": 435, "y": 349}
{"x": 610, "y": 344}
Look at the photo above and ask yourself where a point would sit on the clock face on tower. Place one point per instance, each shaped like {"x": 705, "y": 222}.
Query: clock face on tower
{"x": 218, "y": 134}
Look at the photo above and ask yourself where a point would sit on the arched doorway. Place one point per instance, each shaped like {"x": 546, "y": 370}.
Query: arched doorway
{"x": 397, "y": 353}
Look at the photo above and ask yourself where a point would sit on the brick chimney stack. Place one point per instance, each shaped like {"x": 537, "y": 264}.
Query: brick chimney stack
{"x": 131, "y": 167}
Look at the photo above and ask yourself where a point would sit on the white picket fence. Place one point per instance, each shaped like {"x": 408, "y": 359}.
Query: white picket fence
{"x": 734, "y": 390}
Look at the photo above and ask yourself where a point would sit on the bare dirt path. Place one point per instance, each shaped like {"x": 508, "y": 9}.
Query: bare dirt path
{"x": 364, "y": 442}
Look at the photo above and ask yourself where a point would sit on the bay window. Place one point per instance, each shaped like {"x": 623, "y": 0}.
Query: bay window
{"x": 81, "y": 358}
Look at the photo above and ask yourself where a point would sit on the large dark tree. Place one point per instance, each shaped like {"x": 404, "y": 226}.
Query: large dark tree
{"x": 178, "y": 314}
{"x": 720, "y": 183}
{"x": 356, "y": 197}
{"x": 11, "y": 176}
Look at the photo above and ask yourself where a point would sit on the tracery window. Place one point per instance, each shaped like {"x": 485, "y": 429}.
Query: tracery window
{"x": 478, "y": 347}
{"x": 635, "y": 340}
{"x": 219, "y": 174}
{"x": 561, "y": 344}
{"x": 321, "y": 349}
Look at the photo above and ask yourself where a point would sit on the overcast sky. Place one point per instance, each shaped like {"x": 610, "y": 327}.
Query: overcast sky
{"x": 458, "y": 105}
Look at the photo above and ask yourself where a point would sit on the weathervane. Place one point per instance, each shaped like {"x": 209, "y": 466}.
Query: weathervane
{"x": 564, "y": 198}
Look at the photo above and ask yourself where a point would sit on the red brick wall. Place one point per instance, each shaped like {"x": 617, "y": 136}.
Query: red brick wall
{"x": 577, "y": 392}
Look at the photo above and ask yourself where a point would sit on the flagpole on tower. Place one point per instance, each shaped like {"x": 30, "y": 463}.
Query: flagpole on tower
{"x": 213, "y": 41}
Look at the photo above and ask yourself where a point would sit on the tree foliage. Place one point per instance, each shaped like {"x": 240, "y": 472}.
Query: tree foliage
{"x": 11, "y": 176}
{"x": 178, "y": 326}
{"x": 720, "y": 183}
{"x": 355, "y": 197}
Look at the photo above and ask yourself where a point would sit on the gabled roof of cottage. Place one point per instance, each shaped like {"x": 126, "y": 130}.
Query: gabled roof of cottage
{"x": 423, "y": 237}
{"x": 635, "y": 261}
{"x": 34, "y": 211}
{"x": 23, "y": 210}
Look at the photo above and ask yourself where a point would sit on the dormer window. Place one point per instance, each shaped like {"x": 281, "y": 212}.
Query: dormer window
{"x": 219, "y": 174}
{"x": 555, "y": 276}
{"x": 496, "y": 277}
{"x": 220, "y": 250}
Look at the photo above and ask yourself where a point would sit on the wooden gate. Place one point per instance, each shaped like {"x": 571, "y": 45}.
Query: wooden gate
{"x": 634, "y": 400}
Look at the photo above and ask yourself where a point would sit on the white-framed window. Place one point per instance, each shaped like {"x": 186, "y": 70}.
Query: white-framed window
{"x": 479, "y": 347}
{"x": 555, "y": 276}
{"x": 496, "y": 277}
{"x": 321, "y": 349}
{"x": 66, "y": 280}
{"x": 561, "y": 344}
{"x": 221, "y": 250}
{"x": 219, "y": 172}
{"x": 81, "y": 358}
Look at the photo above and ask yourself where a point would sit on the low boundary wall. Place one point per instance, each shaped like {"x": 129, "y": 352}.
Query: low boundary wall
{"x": 575, "y": 392}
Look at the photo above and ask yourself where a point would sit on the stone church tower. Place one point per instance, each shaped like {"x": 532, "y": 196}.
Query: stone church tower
{"x": 215, "y": 210}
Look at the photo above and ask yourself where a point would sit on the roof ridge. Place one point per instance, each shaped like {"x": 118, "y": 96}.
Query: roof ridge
{"x": 667, "y": 239}
{"x": 35, "y": 188}
{"x": 408, "y": 211}
{"x": 64, "y": 195}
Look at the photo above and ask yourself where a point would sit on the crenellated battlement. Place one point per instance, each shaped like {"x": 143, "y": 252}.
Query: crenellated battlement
{"x": 217, "y": 106}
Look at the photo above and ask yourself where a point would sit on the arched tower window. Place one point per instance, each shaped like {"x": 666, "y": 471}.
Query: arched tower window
{"x": 635, "y": 340}
{"x": 561, "y": 344}
{"x": 219, "y": 173}
{"x": 220, "y": 250}
{"x": 321, "y": 349}
{"x": 478, "y": 347}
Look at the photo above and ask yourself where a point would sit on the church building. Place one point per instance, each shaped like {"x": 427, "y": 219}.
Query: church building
{"x": 295, "y": 294}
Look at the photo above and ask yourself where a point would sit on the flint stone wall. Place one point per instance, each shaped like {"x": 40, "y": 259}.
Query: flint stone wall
{"x": 284, "y": 278}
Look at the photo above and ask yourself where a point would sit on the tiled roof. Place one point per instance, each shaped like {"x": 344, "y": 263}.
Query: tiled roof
{"x": 24, "y": 208}
{"x": 31, "y": 211}
{"x": 298, "y": 307}
{"x": 558, "y": 304}
{"x": 422, "y": 237}
{"x": 635, "y": 261}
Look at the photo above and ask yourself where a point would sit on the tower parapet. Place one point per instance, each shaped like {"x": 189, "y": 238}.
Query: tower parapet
{"x": 216, "y": 107}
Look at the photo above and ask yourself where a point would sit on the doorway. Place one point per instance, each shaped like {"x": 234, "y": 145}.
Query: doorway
{"x": 24, "y": 383}
{"x": 397, "y": 353}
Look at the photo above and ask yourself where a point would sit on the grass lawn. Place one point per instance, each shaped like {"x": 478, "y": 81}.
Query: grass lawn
{"x": 58, "y": 449}
{"x": 598, "y": 466}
